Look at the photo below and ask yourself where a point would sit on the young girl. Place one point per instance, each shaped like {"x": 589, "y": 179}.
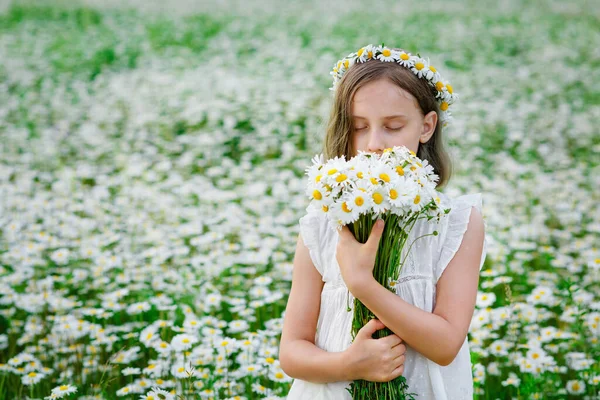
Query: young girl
{"x": 384, "y": 98}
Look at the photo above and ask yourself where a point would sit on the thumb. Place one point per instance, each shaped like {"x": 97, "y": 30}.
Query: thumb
{"x": 367, "y": 331}
{"x": 376, "y": 233}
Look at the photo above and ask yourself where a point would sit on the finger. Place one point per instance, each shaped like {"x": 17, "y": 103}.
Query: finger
{"x": 345, "y": 233}
{"x": 400, "y": 348}
{"x": 398, "y": 371}
{"x": 390, "y": 340}
{"x": 394, "y": 340}
{"x": 399, "y": 360}
{"x": 375, "y": 236}
{"x": 370, "y": 327}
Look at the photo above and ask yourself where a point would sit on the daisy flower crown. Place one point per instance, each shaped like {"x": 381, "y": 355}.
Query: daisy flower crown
{"x": 419, "y": 66}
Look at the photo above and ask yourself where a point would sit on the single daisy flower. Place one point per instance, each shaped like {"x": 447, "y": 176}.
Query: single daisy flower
{"x": 405, "y": 59}
{"x": 420, "y": 67}
{"x": 387, "y": 55}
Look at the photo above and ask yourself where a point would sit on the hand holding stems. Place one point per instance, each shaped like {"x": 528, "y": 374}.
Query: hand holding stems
{"x": 357, "y": 260}
{"x": 375, "y": 360}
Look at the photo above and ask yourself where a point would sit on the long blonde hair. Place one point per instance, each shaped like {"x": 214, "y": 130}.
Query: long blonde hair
{"x": 339, "y": 128}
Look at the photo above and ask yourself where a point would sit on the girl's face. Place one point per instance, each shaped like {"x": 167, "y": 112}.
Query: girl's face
{"x": 385, "y": 115}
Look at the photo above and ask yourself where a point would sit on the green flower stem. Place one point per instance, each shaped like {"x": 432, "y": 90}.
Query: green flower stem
{"x": 388, "y": 264}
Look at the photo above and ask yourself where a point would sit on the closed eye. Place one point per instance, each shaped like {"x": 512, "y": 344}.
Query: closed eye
{"x": 391, "y": 129}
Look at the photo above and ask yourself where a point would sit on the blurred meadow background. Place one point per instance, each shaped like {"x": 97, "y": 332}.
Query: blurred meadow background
{"x": 151, "y": 181}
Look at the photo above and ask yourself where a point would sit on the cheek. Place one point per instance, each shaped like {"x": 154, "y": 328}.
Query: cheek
{"x": 357, "y": 141}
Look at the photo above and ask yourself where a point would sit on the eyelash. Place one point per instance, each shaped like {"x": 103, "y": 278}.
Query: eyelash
{"x": 360, "y": 129}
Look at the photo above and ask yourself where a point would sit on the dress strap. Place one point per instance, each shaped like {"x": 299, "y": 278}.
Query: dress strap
{"x": 311, "y": 229}
{"x": 458, "y": 220}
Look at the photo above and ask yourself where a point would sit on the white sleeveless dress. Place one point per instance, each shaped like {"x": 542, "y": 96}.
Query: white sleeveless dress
{"x": 427, "y": 260}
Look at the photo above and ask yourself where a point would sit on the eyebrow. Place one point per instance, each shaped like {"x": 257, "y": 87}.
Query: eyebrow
{"x": 388, "y": 117}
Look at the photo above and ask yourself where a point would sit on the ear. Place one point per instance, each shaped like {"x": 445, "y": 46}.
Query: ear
{"x": 429, "y": 124}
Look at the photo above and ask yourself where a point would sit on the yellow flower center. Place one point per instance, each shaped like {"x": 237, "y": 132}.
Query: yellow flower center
{"x": 384, "y": 177}
{"x": 377, "y": 198}
{"x": 359, "y": 201}
{"x": 270, "y": 360}
{"x": 439, "y": 86}
{"x": 432, "y": 68}
{"x": 279, "y": 375}
{"x": 345, "y": 207}
{"x": 417, "y": 199}
{"x": 404, "y": 56}
{"x": 374, "y": 181}
{"x": 325, "y": 208}
{"x": 370, "y": 55}
{"x": 393, "y": 194}
{"x": 331, "y": 171}
{"x": 346, "y": 64}
{"x": 419, "y": 66}
{"x": 386, "y": 53}
{"x": 444, "y": 106}
{"x": 317, "y": 195}
{"x": 318, "y": 178}
{"x": 359, "y": 174}
{"x": 449, "y": 88}
{"x": 340, "y": 178}
{"x": 400, "y": 170}
{"x": 359, "y": 52}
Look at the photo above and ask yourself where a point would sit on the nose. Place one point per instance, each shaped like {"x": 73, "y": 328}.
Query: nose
{"x": 376, "y": 143}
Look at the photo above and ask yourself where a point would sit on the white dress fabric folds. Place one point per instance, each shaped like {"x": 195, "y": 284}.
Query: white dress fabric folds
{"x": 424, "y": 265}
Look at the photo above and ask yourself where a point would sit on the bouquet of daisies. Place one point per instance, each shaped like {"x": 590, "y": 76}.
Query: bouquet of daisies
{"x": 395, "y": 186}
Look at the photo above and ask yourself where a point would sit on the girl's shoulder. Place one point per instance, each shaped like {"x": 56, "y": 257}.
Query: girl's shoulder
{"x": 465, "y": 201}
{"x": 455, "y": 225}
{"x": 313, "y": 228}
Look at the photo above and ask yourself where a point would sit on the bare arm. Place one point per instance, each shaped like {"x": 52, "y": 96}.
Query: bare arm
{"x": 438, "y": 335}
{"x": 299, "y": 356}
